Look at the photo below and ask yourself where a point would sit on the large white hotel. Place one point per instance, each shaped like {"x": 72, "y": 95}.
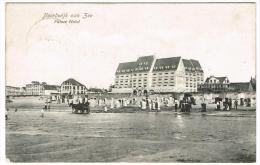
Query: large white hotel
{"x": 147, "y": 74}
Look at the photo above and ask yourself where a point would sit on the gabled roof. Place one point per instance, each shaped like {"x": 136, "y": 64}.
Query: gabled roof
{"x": 73, "y": 82}
{"x": 220, "y": 79}
{"x": 127, "y": 67}
{"x": 192, "y": 65}
{"x": 241, "y": 86}
{"x": 148, "y": 59}
{"x": 196, "y": 65}
{"x": 166, "y": 63}
{"x": 143, "y": 64}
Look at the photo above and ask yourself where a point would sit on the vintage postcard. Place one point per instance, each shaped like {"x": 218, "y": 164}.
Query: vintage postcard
{"x": 130, "y": 82}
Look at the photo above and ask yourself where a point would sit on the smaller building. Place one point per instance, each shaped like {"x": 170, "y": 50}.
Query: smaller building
{"x": 214, "y": 84}
{"x": 12, "y": 91}
{"x": 35, "y": 88}
{"x": 38, "y": 89}
{"x": 71, "y": 86}
{"x": 241, "y": 87}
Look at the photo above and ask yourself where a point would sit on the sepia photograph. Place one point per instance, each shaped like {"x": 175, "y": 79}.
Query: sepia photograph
{"x": 130, "y": 82}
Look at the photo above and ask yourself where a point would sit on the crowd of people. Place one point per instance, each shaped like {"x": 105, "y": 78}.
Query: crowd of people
{"x": 146, "y": 103}
{"x": 227, "y": 104}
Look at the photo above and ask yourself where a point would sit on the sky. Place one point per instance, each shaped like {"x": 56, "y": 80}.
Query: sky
{"x": 221, "y": 36}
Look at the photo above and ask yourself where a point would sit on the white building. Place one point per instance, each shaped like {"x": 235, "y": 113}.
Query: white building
{"x": 148, "y": 74}
{"x": 38, "y": 89}
{"x": 214, "y": 84}
{"x": 12, "y": 91}
{"x": 72, "y": 86}
{"x": 35, "y": 88}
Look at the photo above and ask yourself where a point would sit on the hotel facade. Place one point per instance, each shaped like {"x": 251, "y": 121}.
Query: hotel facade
{"x": 163, "y": 75}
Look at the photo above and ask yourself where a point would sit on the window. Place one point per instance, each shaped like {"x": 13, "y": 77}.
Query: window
{"x": 160, "y": 73}
{"x": 154, "y": 74}
{"x": 187, "y": 85}
{"x": 166, "y": 73}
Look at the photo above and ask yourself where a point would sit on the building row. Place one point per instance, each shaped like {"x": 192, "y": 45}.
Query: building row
{"x": 36, "y": 88}
{"x": 175, "y": 74}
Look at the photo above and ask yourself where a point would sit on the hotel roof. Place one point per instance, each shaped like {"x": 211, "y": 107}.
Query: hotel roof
{"x": 166, "y": 64}
{"x": 192, "y": 65}
{"x": 73, "y": 82}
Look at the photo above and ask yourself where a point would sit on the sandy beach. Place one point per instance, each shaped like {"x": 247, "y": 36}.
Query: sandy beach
{"x": 167, "y": 136}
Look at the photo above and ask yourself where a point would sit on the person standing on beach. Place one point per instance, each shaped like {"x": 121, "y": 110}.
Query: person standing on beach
{"x": 150, "y": 104}
{"x": 230, "y": 104}
{"x": 158, "y": 105}
{"x": 45, "y": 106}
{"x": 236, "y": 103}
{"x": 6, "y": 114}
{"x": 42, "y": 113}
{"x": 176, "y": 105}
{"x": 49, "y": 106}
